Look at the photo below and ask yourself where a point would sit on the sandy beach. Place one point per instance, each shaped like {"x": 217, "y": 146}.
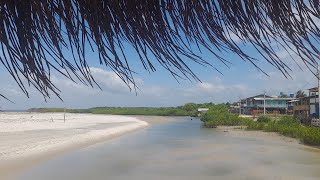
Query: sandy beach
{"x": 29, "y": 137}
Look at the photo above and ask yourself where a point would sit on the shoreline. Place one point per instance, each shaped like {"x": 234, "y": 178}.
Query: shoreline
{"x": 27, "y": 139}
{"x": 236, "y": 131}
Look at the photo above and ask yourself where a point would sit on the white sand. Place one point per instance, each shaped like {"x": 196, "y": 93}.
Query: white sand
{"x": 33, "y": 134}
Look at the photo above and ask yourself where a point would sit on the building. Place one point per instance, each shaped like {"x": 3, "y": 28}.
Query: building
{"x": 255, "y": 105}
{"x": 301, "y": 107}
{"x": 314, "y": 102}
{"x": 234, "y": 108}
{"x": 306, "y": 109}
{"x": 203, "y": 110}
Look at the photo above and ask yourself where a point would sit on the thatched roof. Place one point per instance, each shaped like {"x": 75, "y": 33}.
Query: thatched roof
{"x": 34, "y": 35}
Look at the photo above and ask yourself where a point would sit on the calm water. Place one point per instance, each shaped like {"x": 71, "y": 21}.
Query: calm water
{"x": 182, "y": 149}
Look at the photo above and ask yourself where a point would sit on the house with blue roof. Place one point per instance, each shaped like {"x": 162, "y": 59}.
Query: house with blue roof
{"x": 256, "y": 104}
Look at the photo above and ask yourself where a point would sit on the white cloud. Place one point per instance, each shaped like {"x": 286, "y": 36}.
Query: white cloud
{"x": 277, "y": 82}
{"x": 208, "y": 87}
{"x": 115, "y": 93}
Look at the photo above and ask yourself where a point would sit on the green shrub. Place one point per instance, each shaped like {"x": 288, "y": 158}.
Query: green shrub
{"x": 255, "y": 126}
{"x": 288, "y": 120}
{"x": 245, "y": 121}
{"x": 264, "y": 119}
{"x": 271, "y": 127}
{"x": 218, "y": 115}
{"x": 310, "y": 135}
{"x": 290, "y": 131}
{"x": 211, "y": 124}
{"x": 303, "y": 119}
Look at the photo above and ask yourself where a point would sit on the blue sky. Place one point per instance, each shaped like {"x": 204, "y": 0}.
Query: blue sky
{"x": 159, "y": 88}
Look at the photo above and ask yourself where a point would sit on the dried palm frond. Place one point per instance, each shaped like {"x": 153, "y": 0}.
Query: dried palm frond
{"x": 35, "y": 35}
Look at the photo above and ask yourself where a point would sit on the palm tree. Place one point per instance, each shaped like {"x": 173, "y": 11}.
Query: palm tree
{"x": 34, "y": 36}
{"x": 300, "y": 94}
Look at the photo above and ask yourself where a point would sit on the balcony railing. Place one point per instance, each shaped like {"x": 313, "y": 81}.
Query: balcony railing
{"x": 267, "y": 105}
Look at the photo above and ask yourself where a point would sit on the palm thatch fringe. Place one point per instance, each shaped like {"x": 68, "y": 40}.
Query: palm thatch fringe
{"x": 36, "y": 34}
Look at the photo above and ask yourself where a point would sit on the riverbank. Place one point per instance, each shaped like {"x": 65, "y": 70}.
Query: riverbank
{"x": 26, "y": 138}
{"x": 219, "y": 115}
{"x": 240, "y": 131}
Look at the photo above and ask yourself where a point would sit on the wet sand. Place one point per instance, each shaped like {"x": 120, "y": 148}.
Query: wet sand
{"x": 27, "y": 138}
{"x": 272, "y": 137}
{"x": 239, "y": 131}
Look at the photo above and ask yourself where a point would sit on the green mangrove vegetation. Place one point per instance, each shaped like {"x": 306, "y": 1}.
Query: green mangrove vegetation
{"x": 188, "y": 109}
{"x": 218, "y": 115}
{"x": 289, "y": 127}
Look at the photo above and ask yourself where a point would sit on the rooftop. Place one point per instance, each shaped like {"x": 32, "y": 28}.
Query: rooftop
{"x": 277, "y": 98}
{"x": 314, "y": 89}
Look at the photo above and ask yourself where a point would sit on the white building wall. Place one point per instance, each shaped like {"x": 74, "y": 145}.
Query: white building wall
{"x": 313, "y": 100}
{"x": 312, "y": 108}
